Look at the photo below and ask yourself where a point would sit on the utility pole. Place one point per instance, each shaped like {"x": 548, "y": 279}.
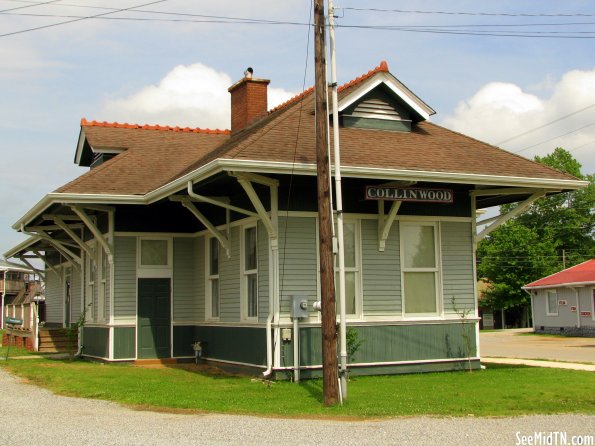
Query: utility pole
{"x": 325, "y": 222}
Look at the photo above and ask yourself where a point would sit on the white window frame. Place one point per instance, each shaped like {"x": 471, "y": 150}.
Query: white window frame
{"x": 357, "y": 269}
{"x": 210, "y": 278}
{"x": 245, "y": 273}
{"x": 548, "y": 311}
{"x": 437, "y": 270}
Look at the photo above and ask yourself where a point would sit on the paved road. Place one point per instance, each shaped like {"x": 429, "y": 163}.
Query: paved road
{"x": 513, "y": 344}
{"x": 33, "y": 416}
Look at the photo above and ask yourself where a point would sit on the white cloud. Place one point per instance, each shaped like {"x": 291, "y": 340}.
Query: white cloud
{"x": 499, "y": 111}
{"x": 189, "y": 95}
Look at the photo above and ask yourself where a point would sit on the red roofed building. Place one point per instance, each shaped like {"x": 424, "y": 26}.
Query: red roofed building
{"x": 564, "y": 302}
{"x": 176, "y": 236}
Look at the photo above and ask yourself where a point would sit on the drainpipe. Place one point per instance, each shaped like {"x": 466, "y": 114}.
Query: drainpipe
{"x": 274, "y": 290}
{"x": 3, "y": 294}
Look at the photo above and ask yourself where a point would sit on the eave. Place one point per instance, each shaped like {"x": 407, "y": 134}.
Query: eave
{"x": 272, "y": 167}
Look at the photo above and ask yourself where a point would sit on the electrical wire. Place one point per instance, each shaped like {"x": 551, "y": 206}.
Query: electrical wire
{"x": 78, "y": 19}
{"x": 545, "y": 125}
{"x": 555, "y": 137}
{"x": 490, "y": 14}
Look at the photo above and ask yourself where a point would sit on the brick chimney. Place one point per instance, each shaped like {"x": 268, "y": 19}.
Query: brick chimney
{"x": 248, "y": 101}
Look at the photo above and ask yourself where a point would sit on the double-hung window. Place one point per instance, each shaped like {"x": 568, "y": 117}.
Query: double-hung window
{"x": 103, "y": 288}
{"x": 250, "y": 273}
{"x": 420, "y": 269}
{"x": 90, "y": 278}
{"x": 551, "y": 300}
{"x": 352, "y": 269}
{"x": 212, "y": 290}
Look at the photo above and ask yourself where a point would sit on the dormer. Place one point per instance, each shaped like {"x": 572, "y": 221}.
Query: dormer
{"x": 93, "y": 155}
{"x": 380, "y": 101}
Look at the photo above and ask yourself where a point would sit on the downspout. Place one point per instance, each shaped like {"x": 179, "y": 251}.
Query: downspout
{"x": 274, "y": 295}
{"x": 339, "y": 207}
{"x": 3, "y": 294}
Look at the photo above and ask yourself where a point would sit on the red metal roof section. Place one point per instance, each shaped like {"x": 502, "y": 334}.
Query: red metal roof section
{"x": 382, "y": 68}
{"x": 581, "y": 273}
{"x": 163, "y": 128}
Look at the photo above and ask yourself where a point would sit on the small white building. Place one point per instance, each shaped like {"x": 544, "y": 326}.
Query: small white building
{"x": 564, "y": 303}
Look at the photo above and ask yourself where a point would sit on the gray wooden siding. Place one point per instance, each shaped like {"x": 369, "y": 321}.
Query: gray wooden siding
{"x": 298, "y": 269}
{"x": 458, "y": 280}
{"x": 381, "y": 271}
{"x": 185, "y": 303}
{"x": 229, "y": 280}
{"x": 263, "y": 272}
{"x": 54, "y": 297}
{"x": 565, "y": 317}
{"x": 125, "y": 277}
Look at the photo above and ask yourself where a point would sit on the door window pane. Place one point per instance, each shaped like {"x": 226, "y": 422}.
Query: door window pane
{"x": 419, "y": 246}
{"x": 153, "y": 253}
{"x": 420, "y": 289}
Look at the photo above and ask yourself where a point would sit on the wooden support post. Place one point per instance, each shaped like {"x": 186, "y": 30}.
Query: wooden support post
{"x": 327, "y": 279}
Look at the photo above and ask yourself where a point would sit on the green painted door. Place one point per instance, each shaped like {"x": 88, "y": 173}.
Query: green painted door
{"x": 154, "y": 318}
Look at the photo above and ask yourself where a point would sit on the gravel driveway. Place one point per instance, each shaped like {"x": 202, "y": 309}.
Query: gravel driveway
{"x": 33, "y": 416}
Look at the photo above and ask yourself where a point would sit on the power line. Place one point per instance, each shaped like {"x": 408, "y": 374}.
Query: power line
{"x": 29, "y": 6}
{"x": 78, "y": 19}
{"x": 555, "y": 137}
{"x": 490, "y": 14}
{"x": 545, "y": 125}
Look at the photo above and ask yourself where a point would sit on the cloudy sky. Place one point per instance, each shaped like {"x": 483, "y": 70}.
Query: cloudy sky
{"x": 493, "y": 70}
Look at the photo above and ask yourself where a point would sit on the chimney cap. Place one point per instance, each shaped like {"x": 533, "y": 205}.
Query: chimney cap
{"x": 248, "y": 73}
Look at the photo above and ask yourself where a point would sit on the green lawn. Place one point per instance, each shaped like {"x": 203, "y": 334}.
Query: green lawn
{"x": 497, "y": 391}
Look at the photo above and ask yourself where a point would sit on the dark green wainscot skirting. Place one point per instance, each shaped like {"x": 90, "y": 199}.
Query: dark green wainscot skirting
{"x": 124, "y": 342}
{"x": 245, "y": 345}
{"x": 96, "y": 342}
{"x": 396, "y": 343}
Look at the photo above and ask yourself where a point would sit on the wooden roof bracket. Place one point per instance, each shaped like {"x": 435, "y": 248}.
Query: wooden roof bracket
{"x": 60, "y": 223}
{"x": 60, "y": 247}
{"x": 188, "y": 204}
{"x": 494, "y": 222}
{"x": 270, "y": 221}
{"x": 386, "y": 222}
{"x": 40, "y": 273}
{"x": 78, "y": 210}
{"x": 44, "y": 260}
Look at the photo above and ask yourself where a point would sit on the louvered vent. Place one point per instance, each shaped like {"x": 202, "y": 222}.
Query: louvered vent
{"x": 376, "y": 109}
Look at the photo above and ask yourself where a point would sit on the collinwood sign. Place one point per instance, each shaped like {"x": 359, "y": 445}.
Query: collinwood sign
{"x": 409, "y": 194}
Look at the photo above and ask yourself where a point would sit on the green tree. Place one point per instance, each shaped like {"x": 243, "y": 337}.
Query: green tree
{"x": 513, "y": 256}
{"x": 567, "y": 219}
{"x": 532, "y": 245}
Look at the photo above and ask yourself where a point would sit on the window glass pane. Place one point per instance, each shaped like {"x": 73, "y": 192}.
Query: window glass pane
{"x": 153, "y": 252}
{"x": 250, "y": 248}
{"x": 213, "y": 256}
{"x": 349, "y": 292}
{"x": 420, "y": 292}
{"x": 419, "y": 247}
{"x": 349, "y": 243}
{"x": 252, "y": 295}
{"x": 215, "y": 297}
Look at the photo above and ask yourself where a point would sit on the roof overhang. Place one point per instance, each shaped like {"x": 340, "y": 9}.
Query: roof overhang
{"x": 285, "y": 168}
{"x": 25, "y": 245}
{"x": 560, "y": 285}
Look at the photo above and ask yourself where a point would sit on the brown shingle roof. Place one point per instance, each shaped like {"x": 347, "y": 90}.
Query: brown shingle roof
{"x": 154, "y": 157}
{"x": 158, "y": 155}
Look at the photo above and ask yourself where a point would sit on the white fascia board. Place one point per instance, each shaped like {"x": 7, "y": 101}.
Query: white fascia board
{"x": 21, "y": 246}
{"x": 57, "y": 197}
{"x": 560, "y": 285}
{"x": 79, "y": 147}
{"x": 396, "y": 87}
